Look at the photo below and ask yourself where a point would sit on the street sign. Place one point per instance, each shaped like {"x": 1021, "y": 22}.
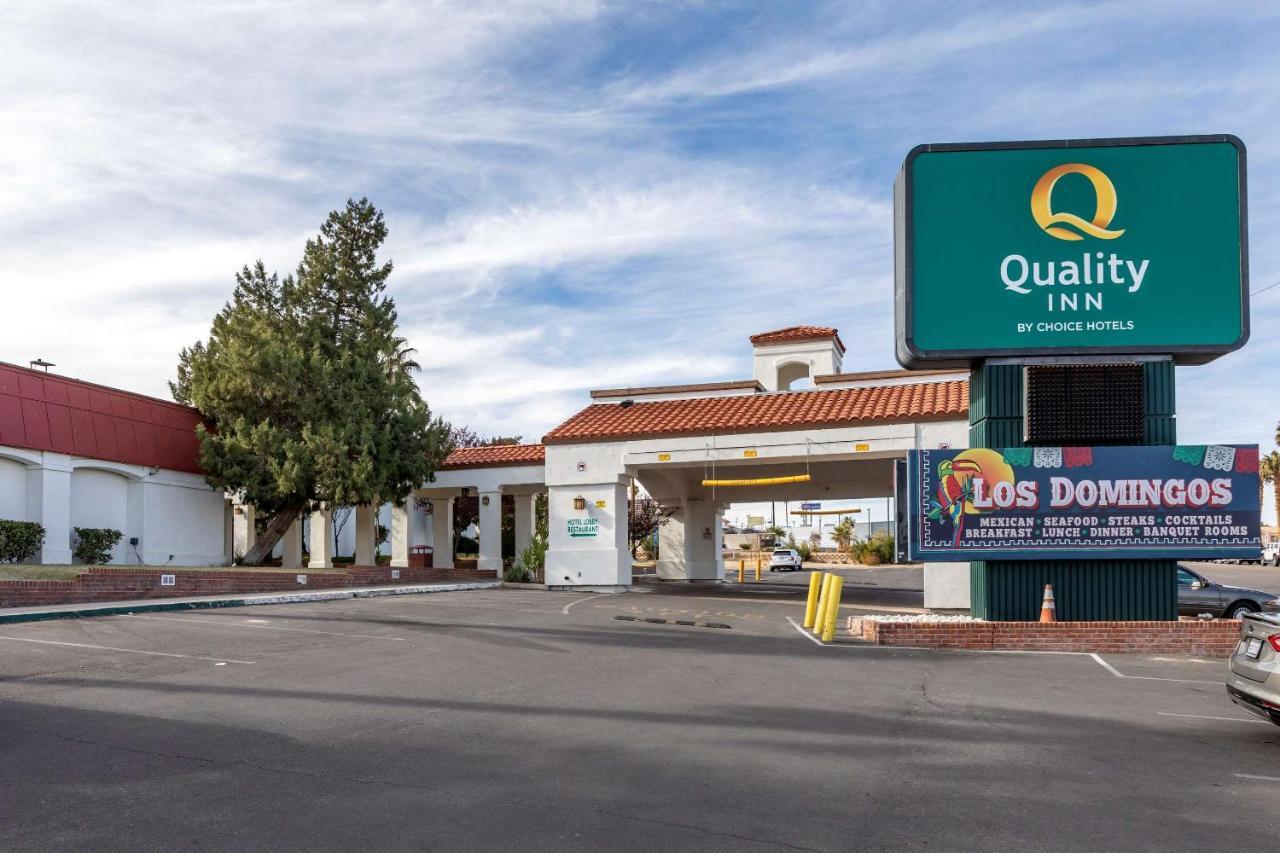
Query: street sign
{"x": 1084, "y": 503}
{"x": 1070, "y": 247}
{"x": 753, "y": 520}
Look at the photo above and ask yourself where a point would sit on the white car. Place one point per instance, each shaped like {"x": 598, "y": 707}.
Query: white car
{"x": 785, "y": 560}
{"x": 1271, "y": 554}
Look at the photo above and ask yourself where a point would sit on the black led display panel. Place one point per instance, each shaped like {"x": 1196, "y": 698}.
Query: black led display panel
{"x": 1083, "y": 404}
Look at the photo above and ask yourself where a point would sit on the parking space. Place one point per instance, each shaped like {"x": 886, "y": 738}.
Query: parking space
{"x": 500, "y": 718}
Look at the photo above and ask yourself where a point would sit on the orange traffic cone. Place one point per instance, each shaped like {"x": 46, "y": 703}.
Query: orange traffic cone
{"x": 1048, "y": 611}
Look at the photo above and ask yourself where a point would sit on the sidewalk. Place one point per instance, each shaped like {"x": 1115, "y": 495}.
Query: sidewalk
{"x": 113, "y": 608}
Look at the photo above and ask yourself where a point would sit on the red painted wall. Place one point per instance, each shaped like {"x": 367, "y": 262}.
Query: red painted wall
{"x": 40, "y": 411}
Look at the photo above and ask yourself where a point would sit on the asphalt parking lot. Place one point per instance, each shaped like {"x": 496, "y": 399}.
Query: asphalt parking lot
{"x": 520, "y": 719}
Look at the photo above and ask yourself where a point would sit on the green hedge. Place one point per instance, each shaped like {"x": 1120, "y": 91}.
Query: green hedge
{"x": 20, "y": 540}
{"x": 94, "y": 544}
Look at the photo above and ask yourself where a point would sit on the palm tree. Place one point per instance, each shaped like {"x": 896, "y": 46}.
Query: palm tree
{"x": 842, "y": 533}
{"x": 1269, "y": 472}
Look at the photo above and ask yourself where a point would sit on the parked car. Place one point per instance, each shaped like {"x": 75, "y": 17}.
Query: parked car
{"x": 785, "y": 560}
{"x": 1254, "y": 664}
{"x": 1197, "y": 594}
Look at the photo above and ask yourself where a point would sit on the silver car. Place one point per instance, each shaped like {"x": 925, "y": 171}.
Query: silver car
{"x": 1252, "y": 682}
{"x": 785, "y": 560}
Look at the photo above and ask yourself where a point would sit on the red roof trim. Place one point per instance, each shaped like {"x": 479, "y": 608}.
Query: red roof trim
{"x": 783, "y": 411}
{"x": 494, "y": 456}
{"x": 799, "y": 333}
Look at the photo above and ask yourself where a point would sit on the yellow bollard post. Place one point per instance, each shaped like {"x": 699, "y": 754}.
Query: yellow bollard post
{"x": 811, "y": 606}
{"x": 820, "y": 618}
{"x": 833, "y": 609}
{"x": 757, "y": 568}
{"x": 742, "y": 571}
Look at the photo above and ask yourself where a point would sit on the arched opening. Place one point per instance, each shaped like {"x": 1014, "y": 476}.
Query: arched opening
{"x": 13, "y": 490}
{"x": 101, "y": 499}
{"x": 794, "y": 376}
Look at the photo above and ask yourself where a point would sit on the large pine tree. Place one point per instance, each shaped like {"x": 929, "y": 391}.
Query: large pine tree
{"x": 308, "y": 388}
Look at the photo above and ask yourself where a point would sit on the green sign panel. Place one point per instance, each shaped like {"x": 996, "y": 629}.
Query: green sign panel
{"x": 1071, "y": 247}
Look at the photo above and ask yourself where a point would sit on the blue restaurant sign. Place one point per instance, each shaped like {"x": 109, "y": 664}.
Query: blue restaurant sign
{"x": 1185, "y": 501}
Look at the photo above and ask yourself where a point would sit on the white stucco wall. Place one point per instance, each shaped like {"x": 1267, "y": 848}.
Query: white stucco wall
{"x": 181, "y": 518}
{"x": 13, "y": 490}
{"x": 169, "y": 512}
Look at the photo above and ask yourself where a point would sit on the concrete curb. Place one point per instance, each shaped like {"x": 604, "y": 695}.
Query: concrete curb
{"x": 118, "y": 608}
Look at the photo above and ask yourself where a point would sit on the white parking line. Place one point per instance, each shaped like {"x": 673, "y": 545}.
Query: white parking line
{"x": 217, "y": 623}
{"x": 1118, "y": 674}
{"x": 565, "y": 609}
{"x": 804, "y": 633}
{"x": 1203, "y": 717}
{"x": 129, "y": 651}
{"x": 1256, "y": 778}
{"x": 1098, "y": 658}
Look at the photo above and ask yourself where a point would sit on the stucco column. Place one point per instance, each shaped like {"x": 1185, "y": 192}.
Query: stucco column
{"x": 321, "y": 539}
{"x": 400, "y": 534}
{"x": 490, "y": 533}
{"x": 291, "y": 553}
{"x": 366, "y": 534}
{"x": 49, "y": 502}
{"x": 671, "y": 563}
{"x": 524, "y": 521}
{"x": 689, "y": 544}
{"x": 228, "y": 532}
{"x": 946, "y": 586}
{"x": 442, "y": 533}
{"x": 245, "y": 528}
{"x": 591, "y": 552}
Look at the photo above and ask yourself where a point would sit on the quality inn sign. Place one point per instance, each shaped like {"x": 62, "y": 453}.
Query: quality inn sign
{"x": 1071, "y": 247}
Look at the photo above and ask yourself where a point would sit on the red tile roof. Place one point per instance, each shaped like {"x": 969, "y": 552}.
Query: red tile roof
{"x": 494, "y": 456}
{"x": 798, "y": 333}
{"x": 42, "y": 411}
{"x": 755, "y": 412}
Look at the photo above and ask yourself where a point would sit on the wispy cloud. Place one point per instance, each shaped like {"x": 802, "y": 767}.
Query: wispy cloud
{"x": 580, "y": 194}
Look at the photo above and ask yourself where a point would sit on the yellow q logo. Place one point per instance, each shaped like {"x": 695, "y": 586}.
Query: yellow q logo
{"x": 1050, "y": 221}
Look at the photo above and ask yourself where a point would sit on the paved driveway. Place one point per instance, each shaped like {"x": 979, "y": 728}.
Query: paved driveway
{"x": 529, "y": 720}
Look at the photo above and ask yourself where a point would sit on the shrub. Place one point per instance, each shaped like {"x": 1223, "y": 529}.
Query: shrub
{"x": 531, "y": 562}
{"x": 467, "y": 545}
{"x": 805, "y": 552}
{"x": 94, "y": 544}
{"x": 879, "y": 545}
{"x": 20, "y": 540}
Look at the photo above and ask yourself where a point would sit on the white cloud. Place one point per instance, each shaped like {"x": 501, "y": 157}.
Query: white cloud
{"x": 573, "y": 200}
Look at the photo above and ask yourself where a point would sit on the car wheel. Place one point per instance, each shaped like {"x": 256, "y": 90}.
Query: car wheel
{"x": 1240, "y": 609}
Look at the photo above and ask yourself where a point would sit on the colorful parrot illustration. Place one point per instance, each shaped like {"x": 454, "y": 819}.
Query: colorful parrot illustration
{"x": 952, "y": 494}
{"x": 955, "y": 485}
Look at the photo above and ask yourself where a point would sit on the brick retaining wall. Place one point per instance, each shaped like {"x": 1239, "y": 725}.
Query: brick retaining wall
{"x": 98, "y": 583}
{"x": 1213, "y": 638}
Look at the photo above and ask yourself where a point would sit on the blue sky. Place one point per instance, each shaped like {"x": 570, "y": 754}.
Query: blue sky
{"x": 580, "y": 194}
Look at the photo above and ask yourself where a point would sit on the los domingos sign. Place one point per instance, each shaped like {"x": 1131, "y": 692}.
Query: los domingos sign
{"x": 1133, "y": 246}
{"x": 1180, "y": 501}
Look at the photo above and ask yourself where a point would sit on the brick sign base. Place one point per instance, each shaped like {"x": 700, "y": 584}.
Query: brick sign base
{"x": 125, "y": 584}
{"x": 1210, "y": 638}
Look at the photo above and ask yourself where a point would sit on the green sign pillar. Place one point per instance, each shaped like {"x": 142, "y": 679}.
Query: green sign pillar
{"x": 1085, "y": 590}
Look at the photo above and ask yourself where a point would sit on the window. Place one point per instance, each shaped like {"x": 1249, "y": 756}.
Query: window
{"x": 1185, "y": 578}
